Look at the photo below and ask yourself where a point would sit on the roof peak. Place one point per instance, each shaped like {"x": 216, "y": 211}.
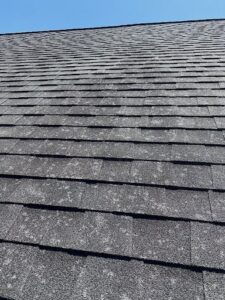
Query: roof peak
{"x": 115, "y": 26}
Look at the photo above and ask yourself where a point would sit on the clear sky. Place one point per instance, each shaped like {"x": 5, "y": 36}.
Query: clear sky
{"x": 33, "y": 15}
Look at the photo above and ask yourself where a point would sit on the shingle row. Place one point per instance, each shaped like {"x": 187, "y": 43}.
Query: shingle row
{"x": 207, "y": 137}
{"x": 189, "y": 111}
{"x": 28, "y": 272}
{"x": 95, "y": 110}
{"x": 110, "y": 93}
{"x": 72, "y": 79}
{"x": 161, "y": 240}
{"x": 109, "y": 101}
{"x": 141, "y": 151}
{"x": 124, "y": 198}
{"x": 142, "y": 172}
{"x": 113, "y": 121}
{"x": 111, "y": 86}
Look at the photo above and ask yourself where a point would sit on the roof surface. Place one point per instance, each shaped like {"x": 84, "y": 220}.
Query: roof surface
{"x": 112, "y": 163}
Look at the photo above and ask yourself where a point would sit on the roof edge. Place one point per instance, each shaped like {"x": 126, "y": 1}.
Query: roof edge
{"x": 114, "y": 26}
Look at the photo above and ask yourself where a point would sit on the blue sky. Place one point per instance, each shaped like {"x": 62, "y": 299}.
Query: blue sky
{"x": 33, "y": 15}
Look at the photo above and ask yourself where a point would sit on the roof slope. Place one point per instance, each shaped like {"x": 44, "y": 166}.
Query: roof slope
{"x": 112, "y": 163}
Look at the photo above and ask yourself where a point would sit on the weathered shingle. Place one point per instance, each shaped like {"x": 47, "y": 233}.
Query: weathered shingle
{"x": 112, "y": 163}
{"x": 207, "y": 246}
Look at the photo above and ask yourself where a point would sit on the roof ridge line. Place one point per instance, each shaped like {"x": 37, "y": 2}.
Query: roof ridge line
{"x": 114, "y": 26}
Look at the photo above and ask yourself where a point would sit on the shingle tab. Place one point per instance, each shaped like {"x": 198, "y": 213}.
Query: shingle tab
{"x": 164, "y": 283}
{"x": 82, "y": 168}
{"x": 48, "y": 192}
{"x": 135, "y": 280}
{"x": 217, "y": 202}
{"x": 52, "y": 275}
{"x": 15, "y": 261}
{"x": 214, "y": 286}
{"x": 162, "y": 240}
{"x": 7, "y": 187}
{"x": 109, "y": 233}
{"x": 8, "y": 215}
{"x": 195, "y": 176}
{"x": 216, "y": 154}
{"x": 109, "y": 278}
{"x": 190, "y": 153}
{"x": 14, "y": 165}
{"x": 218, "y": 173}
{"x": 115, "y": 171}
{"x": 6, "y": 145}
{"x": 30, "y": 226}
{"x": 207, "y": 245}
{"x": 186, "y": 204}
{"x": 66, "y": 231}
{"x": 149, "y": 172}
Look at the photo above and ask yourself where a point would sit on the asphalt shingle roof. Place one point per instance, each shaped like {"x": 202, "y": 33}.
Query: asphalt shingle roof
{"x": 112, "y": 163}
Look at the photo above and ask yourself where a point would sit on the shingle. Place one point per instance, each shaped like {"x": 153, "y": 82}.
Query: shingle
{"x": 121, "y": 198}
{"x": 7, "y": 187}
{"x": 214, "y": 285}
{"x": 15, "y": 110}
{"x": 125, "y": 134}
{"x": 60, "y": 133}
{"x": 217, "y": 110}
{"x": 147, "y": 200}
{"x": 115, "y": 171}
{"x": 135, "y": 280}
{"x": 118, "y": 150}
{"x": 89, "y": 149}
{"x": 47, "y": 166}
{"x": 27, "y": 147}
{"x": 182, "y": 122}
{"x": 66, "y": 230}
{"x": 184, "y": 204}
{"x": 81, "y": 168}
{"x": 195, "y": 176}
{"x": 52, "y": 147}
{"x": 218, "y": 173}
{"x": 207, "y": 245}
{"x": 7, "y": 144}
{"x": 220, "y": 122}
{"x": 16, "y": 131}
{"x": 108, "y": 233}
{"x": 151, "y": 135}
{"x": 149, "y": 172}
{"x": 36, "y": 281}
{"x": 178, "y": 135}
{"x": 30, "y": 226}
{"x": 9, "y": 120}
{"x": 190, "y": 110}
{"x": 8, "y": 215}
{"x": 90, "y": 231}
{"x": 15, "y": 165}
{"x": 165, "y": 283}
{"x": 162, "y": 240}
{"x": 152, "y": 151}
{"x": 104, "y": 121}
{"x": 205, "y": 137}
{"x": 109, "y": 279}
{"x": 15, "y": 261}
{"x": 48, "y": 192}
{"x": 217, "y": 201}
{"x": 216, "y": 154}
{"x": 190, "y": 153}
{"x": 52, "y": 275}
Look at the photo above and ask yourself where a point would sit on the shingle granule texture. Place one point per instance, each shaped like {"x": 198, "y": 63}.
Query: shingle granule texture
{"x": 112, "y": 163}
